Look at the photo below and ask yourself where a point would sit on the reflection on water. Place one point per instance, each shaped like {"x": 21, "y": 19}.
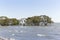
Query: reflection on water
{"x": 31, "y": 33}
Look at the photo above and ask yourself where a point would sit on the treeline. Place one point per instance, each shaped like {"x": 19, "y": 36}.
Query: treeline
{"x": 38, "y": 20}
{"x": 5, "y": 21}
{"x": 30, "y": 21}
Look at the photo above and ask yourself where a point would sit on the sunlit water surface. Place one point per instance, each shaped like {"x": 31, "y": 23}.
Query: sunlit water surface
{"x": 31, "y": 32}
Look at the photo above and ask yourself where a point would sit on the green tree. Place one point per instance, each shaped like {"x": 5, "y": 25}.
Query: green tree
{"x": 3, "y": 20}
{"x": 35, "y": 20}
{"x": 14, "y": 21}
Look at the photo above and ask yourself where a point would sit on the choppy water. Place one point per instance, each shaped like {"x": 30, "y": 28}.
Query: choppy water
{"x": 31, "y": 33}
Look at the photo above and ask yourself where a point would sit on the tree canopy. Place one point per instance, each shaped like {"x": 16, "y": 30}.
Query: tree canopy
{"x": 5, "y": 21}
{"x": 30, "y": 21}
{"x": 36, "y": 20}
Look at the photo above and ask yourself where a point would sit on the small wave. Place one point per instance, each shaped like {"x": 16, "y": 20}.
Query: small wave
{"x": 41, "y": 35}
{"x": 22, "y": 31}
{"x": 13, "y": 34}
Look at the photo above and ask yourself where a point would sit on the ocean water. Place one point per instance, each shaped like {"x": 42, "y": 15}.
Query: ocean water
{"x": 51, "y": 32}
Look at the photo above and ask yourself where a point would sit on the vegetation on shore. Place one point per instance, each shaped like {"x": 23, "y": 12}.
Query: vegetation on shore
{"x": 30, "y": 21}
{"x": 38, "y": 20}
{"x": 5, "y": 21}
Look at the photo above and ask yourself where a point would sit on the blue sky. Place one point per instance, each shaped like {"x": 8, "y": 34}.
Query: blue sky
{"x": 27, "y": 8}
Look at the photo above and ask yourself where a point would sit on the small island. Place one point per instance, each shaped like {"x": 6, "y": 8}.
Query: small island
{"x": 29, "y": 21}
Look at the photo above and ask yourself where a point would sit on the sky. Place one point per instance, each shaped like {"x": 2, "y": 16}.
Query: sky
{"x": 26, "y": 8}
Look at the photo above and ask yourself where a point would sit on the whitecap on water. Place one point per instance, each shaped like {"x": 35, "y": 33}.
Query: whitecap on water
{"x": 41, "y": 35}
{"x": 21, "y": 31}
{"x": 13, "y": 34}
